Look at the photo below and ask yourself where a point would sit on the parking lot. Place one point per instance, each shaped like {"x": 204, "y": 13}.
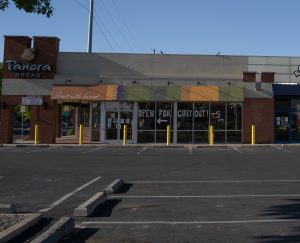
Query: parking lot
{"x": 171, "y": 194}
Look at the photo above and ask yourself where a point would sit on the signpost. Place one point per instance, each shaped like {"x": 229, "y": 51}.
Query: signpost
{"x": 23, "y": 110}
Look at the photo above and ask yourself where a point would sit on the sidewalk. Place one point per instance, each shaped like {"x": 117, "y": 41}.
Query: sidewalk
{"x": 154, "y": 145}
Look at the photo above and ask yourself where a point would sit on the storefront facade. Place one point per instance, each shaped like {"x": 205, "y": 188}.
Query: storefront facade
{"x": 105, "y": 91}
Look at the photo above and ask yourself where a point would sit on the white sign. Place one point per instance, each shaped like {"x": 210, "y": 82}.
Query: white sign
{"x": 23, "y": 109}
{"x": 32, "y": 100}
{"x": 161, "y": 120}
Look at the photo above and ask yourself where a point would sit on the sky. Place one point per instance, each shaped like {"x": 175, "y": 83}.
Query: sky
{"x": 231, "y": 27}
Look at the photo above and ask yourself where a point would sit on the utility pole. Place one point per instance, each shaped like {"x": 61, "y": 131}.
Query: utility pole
{"x": 91, "y": 19}
{"x": 153, "y": 63}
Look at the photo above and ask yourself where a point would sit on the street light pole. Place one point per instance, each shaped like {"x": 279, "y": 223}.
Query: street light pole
{"x": 90, "y": 34}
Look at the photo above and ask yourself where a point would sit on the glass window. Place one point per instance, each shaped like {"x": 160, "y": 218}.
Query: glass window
{"x": 295, "y": 126}
{"x": 217, "y": 116}
{"x": 146, "y": 116}
{"x": 185, "y": 116}
{"x": 185, "y": 136}
{"x": 234, "y": 137}
{"x": 164, "y": 115}
{"x": 146, "y": 136}
{"x": 96, "y": 117}
{"x": 201, "y": 116}
{"x": 219, "y": 137}
{"x": 295, "y": 104}
{"x": 234, "y": 116}
{"x": 68, "y": 118}
{"x": 84, "y": 113}
{"x": 282, "y": 104}
{"x": 201, "y": 137}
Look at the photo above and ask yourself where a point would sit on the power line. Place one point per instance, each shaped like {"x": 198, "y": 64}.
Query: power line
{"x": 126, "y": 26}
{"x": 98, "y": 24}
{"x": 115, "y": 24}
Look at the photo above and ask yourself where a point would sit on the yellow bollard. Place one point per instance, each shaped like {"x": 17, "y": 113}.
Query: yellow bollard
{"x": 168, "y": 134}
{"x": 253, "y": 135}
{"x": 36, "y": 134}
{"x": 125, "y": 135}
{"x": 80, "y": 134}
{"x": 211, "y": 135}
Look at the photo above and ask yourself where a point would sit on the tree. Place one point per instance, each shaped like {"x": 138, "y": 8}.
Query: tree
{"x": 43, "y": 7}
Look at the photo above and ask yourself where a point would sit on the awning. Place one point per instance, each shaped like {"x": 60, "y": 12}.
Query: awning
{"x": 147, "y": 93}
{"x": 285, "y": 90}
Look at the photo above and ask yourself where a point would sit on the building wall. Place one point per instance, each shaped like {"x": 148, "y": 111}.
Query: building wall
{"x": 258, "y": 112}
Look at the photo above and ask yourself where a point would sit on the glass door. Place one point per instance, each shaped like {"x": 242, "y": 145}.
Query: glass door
{"x": 282, "y": 127}
{"x": 126, "y": 119}
{"x": 112, "y": 125}
{"x": 115, "y": 121}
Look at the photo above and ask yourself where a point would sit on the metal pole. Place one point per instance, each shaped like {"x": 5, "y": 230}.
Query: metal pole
{"x": 125, "y": 135}
{"x": 168, "y": 135}
{"x": 80, "y": 134}
{"x": 22, "y": 125}
{"x": 253, "y": 135}
{"x": 90, "y": 34}
{"x": 36, "y": 134}
{"x": 211, "y": 135}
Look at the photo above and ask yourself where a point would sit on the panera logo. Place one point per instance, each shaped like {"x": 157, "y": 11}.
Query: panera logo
{"x": 28, "y": 55}
{"x": 24, "y": 69}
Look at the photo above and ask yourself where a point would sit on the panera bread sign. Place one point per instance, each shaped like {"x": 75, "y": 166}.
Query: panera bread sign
{"x": 24, "y": 68}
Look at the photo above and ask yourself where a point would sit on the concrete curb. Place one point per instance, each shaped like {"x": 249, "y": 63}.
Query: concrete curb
{"x": 20, "y": 227}
{"x": 56, "y": 232}
{"x": 7, "y": 208}
{"x": 114, "y": 186}
{"x": 90, "y": 205}
{"x": 151, "y": 145}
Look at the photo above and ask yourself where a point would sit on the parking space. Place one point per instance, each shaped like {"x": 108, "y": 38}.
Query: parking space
{"x": 198, "y": 211}
{"x": 185, "y": 194}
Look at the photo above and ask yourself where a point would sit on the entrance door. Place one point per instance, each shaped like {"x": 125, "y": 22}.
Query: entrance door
{"x": 282, "y": 127}
{"x": 114, "y": 126}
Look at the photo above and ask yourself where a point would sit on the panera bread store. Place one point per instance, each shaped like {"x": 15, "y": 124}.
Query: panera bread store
{"x": 105, "y": 91}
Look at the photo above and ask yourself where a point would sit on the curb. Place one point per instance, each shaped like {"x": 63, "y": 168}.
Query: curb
{"x": 7, "y": 208}
{"x": 150, "y": 145}
{"x": 20, "y": 227}
{"x": 58, "y": 230}
{"x": 90, "y": 205}
{"x": 114, "y": 186}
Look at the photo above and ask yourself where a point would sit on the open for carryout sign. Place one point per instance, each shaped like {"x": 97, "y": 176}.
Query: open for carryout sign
{"x": 32, "y": 100}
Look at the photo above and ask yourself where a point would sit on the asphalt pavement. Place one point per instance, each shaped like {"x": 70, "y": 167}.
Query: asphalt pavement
{"x": 172, "y": 194}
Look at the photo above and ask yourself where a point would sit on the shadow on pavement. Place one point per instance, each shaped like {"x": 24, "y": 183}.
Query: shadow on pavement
{"x": 105, "y": 210}
{"x": 79, "y": 235}
{"x": 32, "y": 232}
{"x": 125, "y": 188}
{"x": 285, "y": 211}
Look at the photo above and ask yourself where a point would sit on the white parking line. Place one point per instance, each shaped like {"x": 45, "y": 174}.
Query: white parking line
{"x": 190, "y": 222}
{"x": 282, "y": 149}
{"x": 142, "y": 150}
{"x": 236, "y": 149}
{"x": 93, "y": 150}
{"x": 205, "y": 196}
{"x": 241, "y": 181}
{"x": 59, "y": 201}
{"x": 38, "y": 150}
{"x": 190, "y": 150}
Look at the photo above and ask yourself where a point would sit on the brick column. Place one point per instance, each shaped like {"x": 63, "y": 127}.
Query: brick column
{"x": 258, "y": 112}
{"x": 6, "y": 124}
{"x": 47, "y": 121}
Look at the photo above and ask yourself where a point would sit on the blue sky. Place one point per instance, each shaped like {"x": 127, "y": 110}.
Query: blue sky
{"x": 237, "y": 27}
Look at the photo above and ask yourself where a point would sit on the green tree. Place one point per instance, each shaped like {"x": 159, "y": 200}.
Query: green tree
{"x": 43, "y": 7}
